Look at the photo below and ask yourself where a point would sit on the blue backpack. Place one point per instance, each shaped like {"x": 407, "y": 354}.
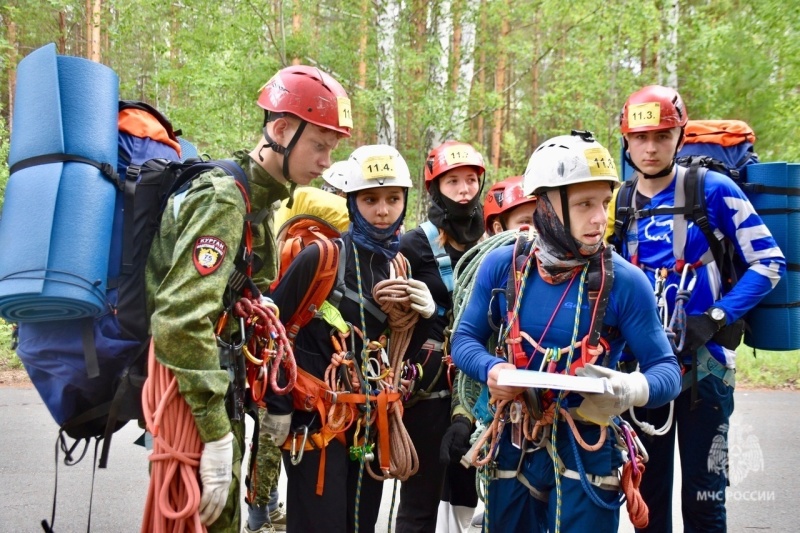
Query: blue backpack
{"x": 90, "y": 371}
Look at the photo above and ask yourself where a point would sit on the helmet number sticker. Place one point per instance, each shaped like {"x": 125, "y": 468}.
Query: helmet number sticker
{"x": 460, "y": 154}
{"x": 378, "y": 167}
{"x": 647, "y": 114}
{"x": 600, "y": 162}
{"x": 345, "y": 114}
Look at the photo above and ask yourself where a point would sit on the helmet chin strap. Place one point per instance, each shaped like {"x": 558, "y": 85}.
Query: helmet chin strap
{"x": 285, "y": 151}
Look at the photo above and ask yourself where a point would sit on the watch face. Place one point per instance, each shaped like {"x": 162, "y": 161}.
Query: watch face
{"x": 717, "y": 313}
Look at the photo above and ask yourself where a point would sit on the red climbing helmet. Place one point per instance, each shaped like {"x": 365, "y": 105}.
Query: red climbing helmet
{"x": 503, "y": 196}
{"x": 653, "y": 108}
{"x": 450, "y": 155}
{"x": 310, "y": 94}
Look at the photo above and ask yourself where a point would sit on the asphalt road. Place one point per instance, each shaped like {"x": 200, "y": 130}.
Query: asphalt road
{"x": 764, "y": 433}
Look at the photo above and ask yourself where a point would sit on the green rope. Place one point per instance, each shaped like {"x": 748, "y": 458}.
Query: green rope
{"x": 364, "y": 372}
{"x": 467, "y": 389}
{"x": 468, "y": 266}
{"x": 561, "y": 396}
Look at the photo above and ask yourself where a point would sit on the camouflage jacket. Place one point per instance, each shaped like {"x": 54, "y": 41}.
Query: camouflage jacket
{"x": 187, "y": 271}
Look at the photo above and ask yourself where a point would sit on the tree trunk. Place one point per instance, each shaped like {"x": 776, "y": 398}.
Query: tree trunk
{"x": 668, "y": 62}
{"x": 296, "y": 23}
{"x": 13, "y": 47}
{"x": 480, "y": 136}
{"x": 444, "y": 28}
{"x": 464, "y": 66}
{"x": 62, "y": 32}
{"x": 94, "y": 41}
{"x": 360, "y": 128}
{"x": 387, "y": 20}
{"x": 456, "y": 46}
{"x": 89, "y": 16}
{"x": 499, "y": 87}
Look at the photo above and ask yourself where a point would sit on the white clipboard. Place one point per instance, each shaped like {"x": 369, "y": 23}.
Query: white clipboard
{"x": 549, "y": 380}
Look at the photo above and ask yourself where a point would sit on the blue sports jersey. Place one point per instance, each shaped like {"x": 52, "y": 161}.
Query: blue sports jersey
{"x": 730, "y": 214}
{"x": 631, "y": 313}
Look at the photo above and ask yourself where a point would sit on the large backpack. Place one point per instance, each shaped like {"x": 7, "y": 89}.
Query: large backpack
{"x": 90, "y": 371}
{"x": 314, "y": 220}
{"x": 724, "y": 146}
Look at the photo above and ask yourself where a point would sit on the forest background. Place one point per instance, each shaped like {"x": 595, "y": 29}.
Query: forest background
{"x": 503, "y": 75}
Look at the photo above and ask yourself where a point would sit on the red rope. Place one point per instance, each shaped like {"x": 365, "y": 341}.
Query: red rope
{"x": 631, "y": 479}
{"x": 268, "y": 348}
{"x": 173, "y": 496}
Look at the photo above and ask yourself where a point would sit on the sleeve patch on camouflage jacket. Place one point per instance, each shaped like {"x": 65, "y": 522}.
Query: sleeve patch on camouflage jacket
{"x": 208, "y": 254}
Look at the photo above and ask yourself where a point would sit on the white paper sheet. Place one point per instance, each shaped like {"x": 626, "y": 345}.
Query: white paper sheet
{"x": 548, "y": 380}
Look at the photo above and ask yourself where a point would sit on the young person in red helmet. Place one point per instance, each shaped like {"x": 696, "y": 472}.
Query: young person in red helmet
{"x": 507, "y": 207}
{"x": 296, "y": 148}
{"x": 453, "y": 178}
{"x": 652, "y": 123}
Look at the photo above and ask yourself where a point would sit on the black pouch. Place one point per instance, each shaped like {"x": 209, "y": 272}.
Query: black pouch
{"x": 731, "y": 335}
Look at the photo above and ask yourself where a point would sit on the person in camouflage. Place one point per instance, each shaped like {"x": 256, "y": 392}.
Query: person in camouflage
{"x": 193, "y": 254}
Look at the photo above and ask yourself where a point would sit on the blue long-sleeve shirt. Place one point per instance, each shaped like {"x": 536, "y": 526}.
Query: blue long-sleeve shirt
{"x": 631, "y": 312}
{"x": 730, "y": 214}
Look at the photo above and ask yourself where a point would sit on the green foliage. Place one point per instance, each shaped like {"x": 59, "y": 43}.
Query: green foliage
{"x": 567, "y": 65}
{"x": 8, "y": 358}
{"x": 762, "y": 368}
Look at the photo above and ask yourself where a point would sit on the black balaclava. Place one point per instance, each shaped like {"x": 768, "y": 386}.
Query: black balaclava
{"x": 462, "y": 222}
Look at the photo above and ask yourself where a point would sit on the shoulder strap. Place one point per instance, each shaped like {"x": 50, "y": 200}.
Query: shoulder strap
{"x": 443, "y": 260}
{"x": 624, "y": 209}
{"x": 695, "y": 201}
{"x": 341, "y": 290}
{"x": 320, "y": 287}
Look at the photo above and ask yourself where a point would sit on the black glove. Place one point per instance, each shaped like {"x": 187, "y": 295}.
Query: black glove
{"x": 455, "y": 442}
{"x": 699, "y": 330}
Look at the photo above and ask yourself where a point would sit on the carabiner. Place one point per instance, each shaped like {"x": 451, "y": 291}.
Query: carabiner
{"x": 296, "y": 457}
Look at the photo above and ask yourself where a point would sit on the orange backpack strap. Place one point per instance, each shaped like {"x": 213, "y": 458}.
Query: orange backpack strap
{"x": 319, "y": 288}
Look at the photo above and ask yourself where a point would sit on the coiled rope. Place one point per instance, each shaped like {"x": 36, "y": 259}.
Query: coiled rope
{"x": 173, "y": 496}
{"x": 393, "y": 299}
{"x": 267, "y": 348}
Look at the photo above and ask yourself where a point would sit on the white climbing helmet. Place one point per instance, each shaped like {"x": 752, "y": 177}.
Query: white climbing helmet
{"x": 567, "y": 160}
{"x": 375, "y": 165}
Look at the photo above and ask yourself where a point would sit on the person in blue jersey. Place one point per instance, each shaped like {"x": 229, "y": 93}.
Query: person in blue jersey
{"x": 652, "y": 123}
{"x": 553, "y": 463}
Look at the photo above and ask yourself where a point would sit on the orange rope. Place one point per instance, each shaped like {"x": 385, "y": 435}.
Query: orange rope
{"x": 637, "y": 508}
{"x": 174, "y": 493}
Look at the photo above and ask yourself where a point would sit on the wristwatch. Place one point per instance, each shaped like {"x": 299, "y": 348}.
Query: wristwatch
{"x": 717, "y": 315}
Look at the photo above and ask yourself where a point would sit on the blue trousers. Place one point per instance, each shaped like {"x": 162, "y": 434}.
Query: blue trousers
{"x": 703, "y": 447}
{"x": 512, "y": 506}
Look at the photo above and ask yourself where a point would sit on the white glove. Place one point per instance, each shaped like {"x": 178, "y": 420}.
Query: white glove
{"x": 628, "y": 390}
{"x": 421, "y": 299}
{"x": 216, "y": 471}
